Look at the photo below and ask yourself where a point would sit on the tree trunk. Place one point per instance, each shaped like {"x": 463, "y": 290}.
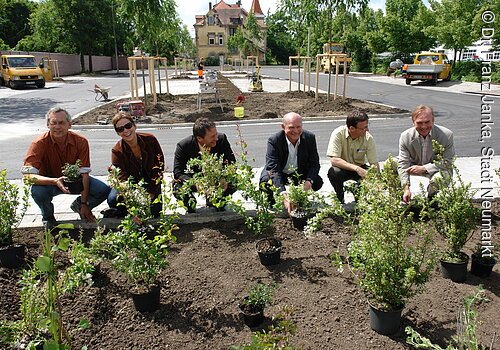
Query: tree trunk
{"x": 90, "y": 63}
{"x": 82, "y": 61}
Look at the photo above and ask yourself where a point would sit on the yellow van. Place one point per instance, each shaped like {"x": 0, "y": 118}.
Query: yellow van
{"x": 21, "y": 70}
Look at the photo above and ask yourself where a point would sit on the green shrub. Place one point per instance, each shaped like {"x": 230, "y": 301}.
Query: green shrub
{"x": 466, "y": 71}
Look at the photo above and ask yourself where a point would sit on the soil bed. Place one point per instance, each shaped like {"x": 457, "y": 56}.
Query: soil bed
{"x": 213, "y": 266}
{"x": 172, "y": 109}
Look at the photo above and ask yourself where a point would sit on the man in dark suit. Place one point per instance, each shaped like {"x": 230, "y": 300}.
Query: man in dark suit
{"x": 205, "y": 136}
{"x": 292, "y": 151}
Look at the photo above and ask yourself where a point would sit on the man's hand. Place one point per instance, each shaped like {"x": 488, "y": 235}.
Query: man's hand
{"x": 407, "y": 195}
{"x": 224, "y": 184}
{"x": 416, "y": 170}
{"x": 59, "y": 183}
{"x": 289, "y": 206}
{"x": 86, "y": 213}
{"x": 361, "y": 172}
{"x": 307, "y": 185}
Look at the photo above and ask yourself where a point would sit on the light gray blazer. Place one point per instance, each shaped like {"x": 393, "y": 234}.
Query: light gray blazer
{"x": 410, "y": 151}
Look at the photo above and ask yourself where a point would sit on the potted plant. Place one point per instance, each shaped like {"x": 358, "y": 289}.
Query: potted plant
{"x": 391, "y": 256}
{"x": 210, "y": 175}
{"x": 138, "y": 249}
{"x": 253, "y": 305}
{"x": 262, "y": 218}
{"x": 483, "y": 261}
{"x": 72, "y": 177}
{"x": 455, "y": 219}
{"x": 303, "y": 204}
{"x": 11, "y": 214}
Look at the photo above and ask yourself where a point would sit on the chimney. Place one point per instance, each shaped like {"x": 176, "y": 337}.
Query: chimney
{"x": 209, "y": 6}
{"x": 238, "y": 2}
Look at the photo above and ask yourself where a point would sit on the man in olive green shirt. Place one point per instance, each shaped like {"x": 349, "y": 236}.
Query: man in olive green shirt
{"x": 351, "y": 151}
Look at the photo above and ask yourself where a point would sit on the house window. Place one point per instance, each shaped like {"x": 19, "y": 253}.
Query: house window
{"x": 211, "y": 20}
{"x": 221, "y": 40}
{"x": 468, "y": 54}
{"x": 211, "y": 39}
{"x": 494, "y": 56}
{"x": 232, "y": 31}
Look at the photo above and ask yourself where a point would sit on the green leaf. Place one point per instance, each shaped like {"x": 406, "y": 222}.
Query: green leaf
{"x": 43, "y": 263}
{"x": 64, "y": 244}
{"x": 66, "y": 226}
{"x": 84, "y": 324}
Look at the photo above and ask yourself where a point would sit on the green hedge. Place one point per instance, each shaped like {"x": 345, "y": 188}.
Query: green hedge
{"x": 471, "y": 71}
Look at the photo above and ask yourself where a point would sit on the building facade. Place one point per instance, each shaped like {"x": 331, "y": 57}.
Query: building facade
{"x": 222, "y": 20}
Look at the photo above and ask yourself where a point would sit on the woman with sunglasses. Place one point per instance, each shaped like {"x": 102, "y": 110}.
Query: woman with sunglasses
{"x": 137, "y": 155}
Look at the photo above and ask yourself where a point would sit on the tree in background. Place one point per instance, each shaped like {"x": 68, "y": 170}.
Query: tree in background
{"x": 279, "y": 43}
{"x": 153, "y": 21}
{"x": 14, "y": 20}
{"x": 453, "y": 26}
{"x": 247, "y": 38}
{"x": 404, "y": 26}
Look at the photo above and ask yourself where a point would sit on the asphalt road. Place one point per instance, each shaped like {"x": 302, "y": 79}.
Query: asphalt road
{"x": 22, "y": 118}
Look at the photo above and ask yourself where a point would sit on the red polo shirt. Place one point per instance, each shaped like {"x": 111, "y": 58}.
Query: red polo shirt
{"x": 47, "y": 158}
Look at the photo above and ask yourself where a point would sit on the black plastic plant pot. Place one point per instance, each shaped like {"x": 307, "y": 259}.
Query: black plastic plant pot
{"x": 148, "y": 301}
{"x": 269, "y": 250}
{"x": 74, "y": 186}
{"x": 12, "y": 256}
{"x": 481, "y": 268}
{"x": 299, "y": 219}
{"x": 385, "y": 322}
{"x": 455, "y": 271}
{"x": 251, "y": 316}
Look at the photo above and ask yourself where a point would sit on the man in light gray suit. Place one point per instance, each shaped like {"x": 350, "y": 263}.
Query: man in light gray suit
{"x": 416, "y": 156}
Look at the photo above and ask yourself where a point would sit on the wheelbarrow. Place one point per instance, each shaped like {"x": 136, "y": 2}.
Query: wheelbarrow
{"x": 101, "y": 93}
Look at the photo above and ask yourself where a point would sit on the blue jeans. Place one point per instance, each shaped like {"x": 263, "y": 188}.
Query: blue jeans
{"x": 43, "y": 195}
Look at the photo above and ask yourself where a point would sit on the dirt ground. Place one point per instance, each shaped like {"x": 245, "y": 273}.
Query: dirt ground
{"x": 212, "y": 267}
{"x": 172, "y": 109}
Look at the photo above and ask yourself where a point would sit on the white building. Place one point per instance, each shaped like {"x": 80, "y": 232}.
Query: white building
{"x": 480, "y": 50}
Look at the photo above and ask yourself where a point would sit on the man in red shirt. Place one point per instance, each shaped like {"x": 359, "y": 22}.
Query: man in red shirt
{"x": 43, "y": 167}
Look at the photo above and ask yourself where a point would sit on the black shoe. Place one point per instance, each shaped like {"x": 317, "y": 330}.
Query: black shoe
{"x": 113, "y": 213}
{"x": 77, "y": 205}
{"x": 50, "y": 223}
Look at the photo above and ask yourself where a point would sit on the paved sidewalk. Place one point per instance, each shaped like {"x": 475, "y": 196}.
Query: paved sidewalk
{"x": 470, "y": 168}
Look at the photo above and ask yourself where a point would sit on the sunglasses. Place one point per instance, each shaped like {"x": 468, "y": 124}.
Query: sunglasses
{"x": 126, "y": 126}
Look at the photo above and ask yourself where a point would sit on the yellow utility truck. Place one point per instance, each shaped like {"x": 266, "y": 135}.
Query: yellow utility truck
{"x": 428, "y": 66}
{"x": 328, "y": 64}
{"x": 21, "y": 70}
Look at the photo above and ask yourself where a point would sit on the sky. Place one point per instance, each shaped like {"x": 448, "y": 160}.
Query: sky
{"x": 187, "y": 10}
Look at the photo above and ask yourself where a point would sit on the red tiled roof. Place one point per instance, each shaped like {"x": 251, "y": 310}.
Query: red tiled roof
{"x": 255, "y": 8}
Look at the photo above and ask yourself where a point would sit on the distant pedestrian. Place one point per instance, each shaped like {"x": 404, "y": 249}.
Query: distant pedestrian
{"x": 201, "y": 66}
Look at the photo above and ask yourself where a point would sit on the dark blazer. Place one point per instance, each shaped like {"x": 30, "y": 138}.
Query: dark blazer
{"x": 277, "y": 155}
{"x": 149, "y": 168}
{"x": 188, "y": 148}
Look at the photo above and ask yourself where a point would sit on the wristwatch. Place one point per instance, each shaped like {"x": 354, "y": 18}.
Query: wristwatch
{"x": 311, "y": 181}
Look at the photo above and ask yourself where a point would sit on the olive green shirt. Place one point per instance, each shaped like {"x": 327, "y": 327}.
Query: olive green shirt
{"x": 355, "y": 151}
